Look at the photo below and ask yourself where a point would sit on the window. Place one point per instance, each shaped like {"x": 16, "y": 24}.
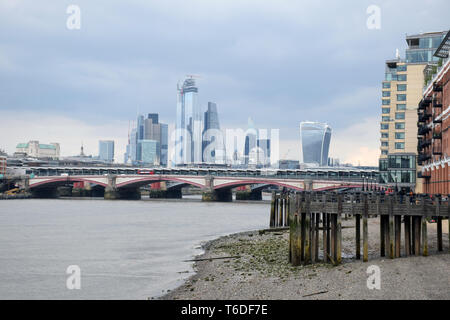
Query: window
{"x": 386, "y": 102}
{"x": 402, "y": 162}
{"x": 399, "y": 145}
{"x": 385, "y": 118}
{"x": 401, "y": 77}
{"x": 400, "y": 125}
{"x": 384, "y": 135}
{"x": 383, "y": 164}
{"x": 384, "y": 126}
{"x": 384, "y": 152}
{"x": 386, "y": 85}
{"x": 384, "y": 144}
{"x": 401, "y": 97}
{"x": 401, "y": 106}
{"x": 399, "y": 115}
{"x": 386, "y": 93}
{"x": 399, "y": 135}
{"x": 385, "y": 110}
{"x": 401, "y": 67}
{"x": 401, "y": 87}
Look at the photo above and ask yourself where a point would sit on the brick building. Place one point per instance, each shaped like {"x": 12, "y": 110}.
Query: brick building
{"x": 434, "y": 123}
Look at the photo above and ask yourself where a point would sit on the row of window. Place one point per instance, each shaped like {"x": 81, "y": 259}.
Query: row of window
{"x": 388, "y": 110}
{"x": 398, "y": 116}
{"x": 400, "y": 97}
{"x": 398, "y": 135}
{"x": 398, "y": 125}
{"x": 400, "y": 87}
{"x": 398, "y": 145}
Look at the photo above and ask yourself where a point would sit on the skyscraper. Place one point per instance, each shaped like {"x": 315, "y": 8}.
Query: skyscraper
{"x": 188, "y": 136}
{"x": 213, "y": 140}
{"x": 251, "y": 141}
{"x": 401, "y": 93}
{"x": 106, "y": 150}
{"x": 315, "y": 140}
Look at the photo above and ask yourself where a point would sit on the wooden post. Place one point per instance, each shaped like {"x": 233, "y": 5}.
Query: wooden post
{"x": 313, "y": 237}
{"x": 324, "y": 237}
{"x": 272, "y": 211}
{"x": 280, "y": 212}
{"x": 329, "y": 234}
{"x": 424, "y": 237}
{"x": 398, "y": 230}
{"x": 417, "y": 235}
{"x": 413, "y": 235}
{"x": 439, "y": 233}
{"x": 382, "y": 236}
{"x": 365, "y": 231}
{"x": 407, "y": 224}
{"x": 391, "y": 228}
{"x": 295, "y": 227}
{"x": 339, "y": 230}
{"x": 316, "y": 254}
{"x": 358, "y": 235}
{"x": 307, "y": 228}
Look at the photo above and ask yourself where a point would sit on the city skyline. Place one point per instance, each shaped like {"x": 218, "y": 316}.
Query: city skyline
{"x": 91, "y": 91}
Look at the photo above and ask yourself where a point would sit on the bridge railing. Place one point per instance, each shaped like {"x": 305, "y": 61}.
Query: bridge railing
{"x": 304, "y": 212}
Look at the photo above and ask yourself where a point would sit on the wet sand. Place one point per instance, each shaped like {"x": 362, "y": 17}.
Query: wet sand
{"x": 262, "y": 270}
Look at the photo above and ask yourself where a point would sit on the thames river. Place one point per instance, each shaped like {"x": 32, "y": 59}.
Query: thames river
{"x": 124, "y": 249}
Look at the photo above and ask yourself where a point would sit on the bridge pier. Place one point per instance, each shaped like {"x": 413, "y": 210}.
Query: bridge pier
{"x": 166, "y": 194}
{"x": 217, "y": 195}
{"x": 45, "y": 193}
{"x": 249, "y": 195}
{"x": 122, "y": 194}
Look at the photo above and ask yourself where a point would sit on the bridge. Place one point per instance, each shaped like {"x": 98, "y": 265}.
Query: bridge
{"x": 216, "y": 185}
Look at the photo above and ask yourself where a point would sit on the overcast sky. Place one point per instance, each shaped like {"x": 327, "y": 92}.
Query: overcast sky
{"x": 278, "y": 62}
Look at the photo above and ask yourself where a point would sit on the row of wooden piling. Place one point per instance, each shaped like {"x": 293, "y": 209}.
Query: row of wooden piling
{"x": 309, "y": 213}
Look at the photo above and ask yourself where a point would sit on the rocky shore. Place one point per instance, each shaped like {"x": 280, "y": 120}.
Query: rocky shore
{"x": 258, "y": 268}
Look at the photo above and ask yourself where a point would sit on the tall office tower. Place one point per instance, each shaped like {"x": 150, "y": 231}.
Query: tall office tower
{"x": 213, "y": 140}
{"x": 164, "y": 145}
{"x": 149, "y": 152}
{"x": 401, "y": 93}
{"x": 154, "y": 117}
{"x": 155, "y": 131}
{"x": 251, "y": 138}
{"x": 315, "y": 139}
{"x": 106, "y": 150}
{"x": 188, "y": 136}
{"x": 434, "y": 122}
{"x": 134, "y": 156}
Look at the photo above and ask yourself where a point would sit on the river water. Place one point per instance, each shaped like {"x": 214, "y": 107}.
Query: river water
{"x": 124, "y": 249}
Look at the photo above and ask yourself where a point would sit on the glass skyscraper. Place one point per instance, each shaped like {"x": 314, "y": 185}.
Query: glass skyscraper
{"x": 188, "y": 137}
{"x": 106, "y": 150}
{"x": 213, "y": 140}
{"x": 315, "y": 139}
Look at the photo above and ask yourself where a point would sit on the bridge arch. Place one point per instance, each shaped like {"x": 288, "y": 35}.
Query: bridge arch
{"x": 142, "y": 181}
{"x": 240, "y": 183}
{"x": 58, "y": 181}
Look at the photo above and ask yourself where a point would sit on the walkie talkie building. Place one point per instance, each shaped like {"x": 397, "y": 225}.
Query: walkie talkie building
{"x": 315, "y": 140}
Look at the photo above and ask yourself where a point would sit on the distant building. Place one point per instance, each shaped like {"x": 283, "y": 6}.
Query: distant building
{"x": 188, "y": 126}
{"x": 213, "y": 140}
{"x": 106, "y": 150}
{"x": 264, "y": 152}
{"x": 35, "y": 149}
{"x": 251, "y": 143}
{"x": 315, "y": 141}
{"x": 148, "y": 142}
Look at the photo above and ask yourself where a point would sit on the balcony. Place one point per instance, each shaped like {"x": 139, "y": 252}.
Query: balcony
{"x": 437, "y": 135}
{"x": 424, "y": 129}
{"x": 437, "y": 120}
{"x": 423, "y": 157}
{"x": 437, "y": 87}
{"x": 424, "y": 175}
{"x": 423, "y": 117}
{"x": 424, "y": 143}
{"x": 437, "y": 104}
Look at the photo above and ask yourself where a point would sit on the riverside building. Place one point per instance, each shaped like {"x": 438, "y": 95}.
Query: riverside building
{"x": 402, "y": 89}
{"x": 434, "y": 123}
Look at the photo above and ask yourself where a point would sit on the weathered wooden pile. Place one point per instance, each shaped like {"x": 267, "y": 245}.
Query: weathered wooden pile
{"x": 305, "y": 212}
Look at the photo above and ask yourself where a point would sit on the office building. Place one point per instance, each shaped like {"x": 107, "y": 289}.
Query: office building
{"x": 251, "y": 143}
{"x": 148, "y": 149}
{"x": 315, "y": 142}
{"x": 434, "y": 123}
{"x": 188, "y": 140}
{"x": 34, "y": 149}
{"x": 213, "y": 139}
{"x": 106, "y": 150}
{"x": 401, "y": 93}
{"x": 264, "y": 152}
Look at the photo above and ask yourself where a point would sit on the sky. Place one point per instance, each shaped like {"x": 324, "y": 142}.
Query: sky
{"x": 278, "y": 62}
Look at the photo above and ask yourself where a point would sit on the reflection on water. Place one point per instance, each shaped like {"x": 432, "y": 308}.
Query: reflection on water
{"x": 125, "y": 249}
